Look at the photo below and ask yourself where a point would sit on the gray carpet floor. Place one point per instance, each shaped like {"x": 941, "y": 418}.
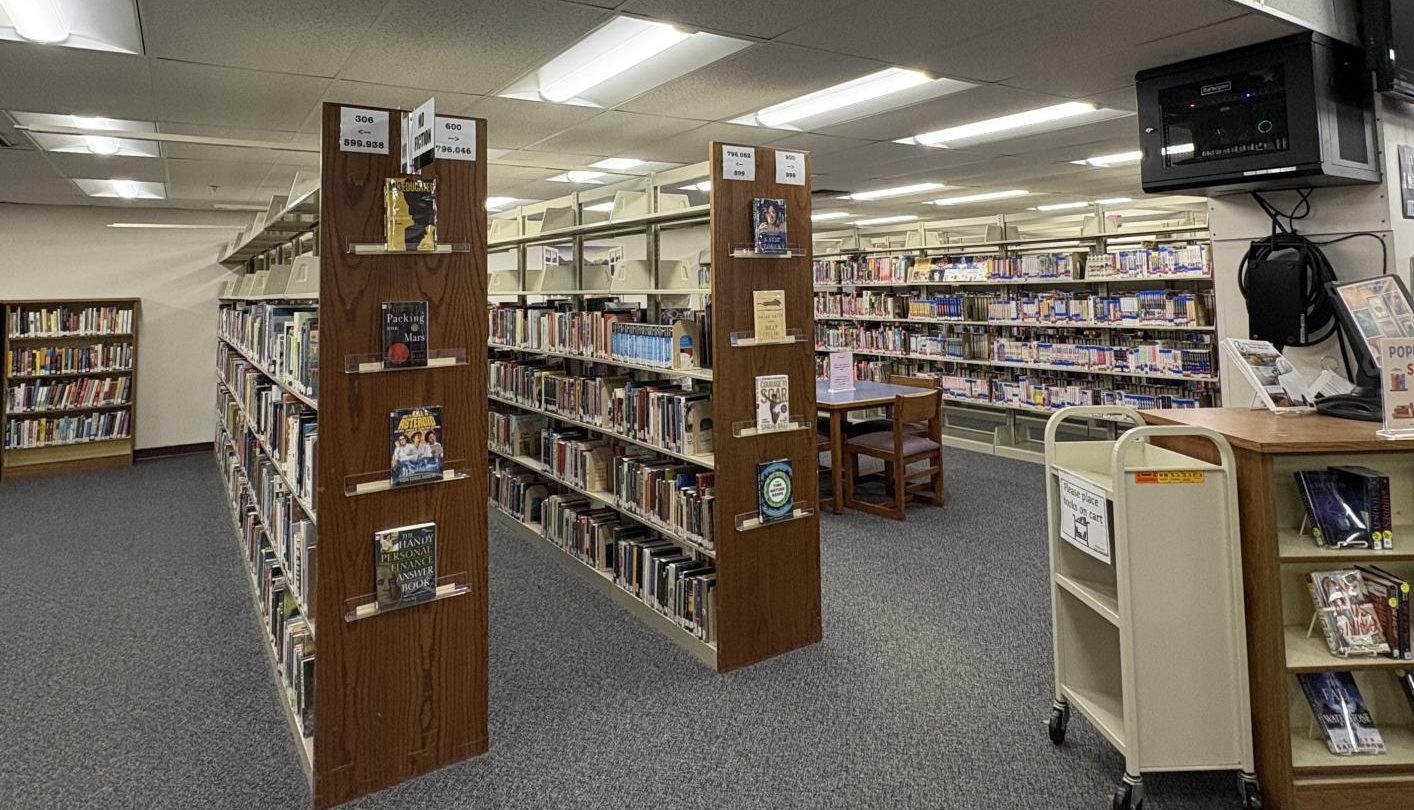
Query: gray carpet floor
{"x": 134, "y": 675}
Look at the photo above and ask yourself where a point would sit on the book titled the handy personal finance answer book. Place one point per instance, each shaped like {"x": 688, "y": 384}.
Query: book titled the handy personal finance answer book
{"x": 405, "y": 564}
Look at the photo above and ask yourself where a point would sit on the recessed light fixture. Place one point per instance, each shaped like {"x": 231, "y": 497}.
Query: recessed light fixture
{"x": 603, "y": 207}
{"x": 175, "y": 226}
{"x": 497, "y": 203}
{"x": 97, "y": 144}
{"x": 985, "y": 196}
{"x": 583, "y": 178}
{"x": 128, "y": 189}
{"x": 37, "y": 20}
{"x": 896, "y": 191}
{"x": 705, "y": 185}
{"x": 1063, "y": 206}
{"x": 125, "y": 189}
{"x": 885, "y": 82}
{"x": 239, "y": 207}
{"x": 887, "y": 220}
{"x": 1117, "y": 159}
{"x": 821, "y": 216}
{"x": 616, "y": 164}
{"x": 1114, "y": 201}
{"x": 982, "y": 130}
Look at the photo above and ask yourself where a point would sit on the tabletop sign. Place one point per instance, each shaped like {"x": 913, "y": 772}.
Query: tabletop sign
{"x": 1396, "y": 372}
{"x": 417, "y": 136}
{"x": 841, "y": 371}
{"x": 790, "y": 168}
{"x": 1084, "y": 516}
{"x": 455, "y": 138}
{"x": 738, "y": 163}
{"x": 363, "y": 130}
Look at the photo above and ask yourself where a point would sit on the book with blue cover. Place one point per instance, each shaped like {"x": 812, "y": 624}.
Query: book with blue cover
{"x": 1341, "y": 713}
{"x": 417, "y": 451}
{"x": 768, "y": 221}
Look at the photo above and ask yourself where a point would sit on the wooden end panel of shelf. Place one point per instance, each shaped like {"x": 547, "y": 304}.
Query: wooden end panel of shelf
{"x": 402, "y": 693}
{"x": 1351, "y": 794}
{"x": 768, "y": 579}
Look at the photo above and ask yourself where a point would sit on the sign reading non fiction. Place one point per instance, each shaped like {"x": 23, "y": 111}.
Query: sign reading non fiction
{"x": 1084, "y": 516}
{"x": 363, "y": 130}
{"x": 738, "y": 162}
{"x": 455, "y": 138}
{"x": 417, "y": 136}
{"x": 790, "y": 168}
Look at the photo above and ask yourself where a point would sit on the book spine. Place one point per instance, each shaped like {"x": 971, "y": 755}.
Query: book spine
{"x": 1386, "y": 515}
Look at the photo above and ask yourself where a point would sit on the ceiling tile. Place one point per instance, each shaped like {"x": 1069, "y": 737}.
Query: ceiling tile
{"x": 473, "y": 46}
{"x": 748, "y": 17}
{"x": 188, "y": 151}
{"x": 216, "y": 173}
{"x": 20, "y": 165}
{"x": 344, "y": 91}
{"x": 513, "y": 124}
{"x": 615, "y": 133}
{"x": 203, "y": 94}
{"x": 77, "y": 164}
{"x": 691, "y": 146}
{"x": 39, "y": 78}
{"x": 312, "y": 37}
{"x": 817, "y": 145}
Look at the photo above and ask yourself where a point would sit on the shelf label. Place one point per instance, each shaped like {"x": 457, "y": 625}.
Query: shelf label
{"x": 363, "y": 130}
{"x": 1171, "y": 477}
{"x": 455, "y": 139}
{"x": 790, "y": 168}
{"x": 1084, "y": 516}
{"x": 738, "y": 163}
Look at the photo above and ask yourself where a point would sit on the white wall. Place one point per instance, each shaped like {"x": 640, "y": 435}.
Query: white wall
{"x": 67, "y": 252}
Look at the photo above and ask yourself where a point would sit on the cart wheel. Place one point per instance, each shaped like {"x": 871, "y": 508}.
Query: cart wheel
{"x": 1060, "y": 718}
{"x": 1251, "y": 795}
{"x": 1124, "y": 798}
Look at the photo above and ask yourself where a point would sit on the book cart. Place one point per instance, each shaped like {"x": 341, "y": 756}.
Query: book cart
{"x": 400, "y": 691}
{"x": 1296, "y": 769}
{"x": 82, "y": 390}
{"x": 767, "y": 599}
{"x": 1146, "y": 601}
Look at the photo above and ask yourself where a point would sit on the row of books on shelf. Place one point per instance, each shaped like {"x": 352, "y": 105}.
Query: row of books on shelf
{"x": 1173, "y": 259}
{"x": 673, "y": 337}
{"x": 663, "y": 413}
{"x": 291, "y": 532}
{"x": 26, "y": 321}
{"x": 57, "y": 430}
{"x": 282, "y": 338}
{"x": 286, "y": 424}
{"x": 1347, "y": 507}
{"x": 85, "y": 392}
{"x": 675, "y": 582}
{"x": 1155, "y": 307}
{"x": 40, "y": 360}
{"x": 1341, "y": 713}
{"x": 1363, "y": 611}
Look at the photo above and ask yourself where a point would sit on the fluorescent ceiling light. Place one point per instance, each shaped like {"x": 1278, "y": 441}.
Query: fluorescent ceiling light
{"x": 705, "y": 185}
{"x": 239, "y": 207}
{"x": 583, "y": 178}
{"x": 98, "y": 144}
{"x": 497, "y": 203}
{"x": 897, "y": 191}
{"x": 824, "y": 215}
{"x": 617, "y": 46}
{"x": 37, "y": 20}
{"x": 1063, "y": 206}
{"x": 1114, "y": 201}
{"x": 865, "y": 88}
{"x": 983, "y": 197}
{"x": 125, "y": 189}
{"x": 616, "y": 164}
{"x": 887, "y": 220}
{"x": 1117, "y": 159}
{"x": 993, "y": 126}
{"x": 602, "y": 207}
{"x": 175, "y": 226}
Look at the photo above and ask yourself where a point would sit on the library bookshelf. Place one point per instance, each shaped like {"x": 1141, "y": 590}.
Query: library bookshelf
{"x": 879, "y": 304}
{"x": 670, "y": 255}
{"x": 1294, "y": 766}
{"x": 70, "y": 380}
{"x": 400, "y": 692}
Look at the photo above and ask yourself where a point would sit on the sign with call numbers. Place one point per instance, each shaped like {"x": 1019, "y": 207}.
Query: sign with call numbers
{"x": 455, "y": 138}
{"x": 790, "y": 168}
{"x": 738, "y": 163}
{"x": 363, "y": 130}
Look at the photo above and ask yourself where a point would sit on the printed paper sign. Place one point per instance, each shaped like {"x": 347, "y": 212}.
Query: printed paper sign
{"x": 455, "y": 139}
{"x": 790, "y": 168}
{"x": 1084, "y": 516}
{"x": 417, "y": 136}
{"x": 841, "y": 371}
{"x": 739, "y": 162}
{"x": 363, "y": 130}
{"x": 1397, "y": 371}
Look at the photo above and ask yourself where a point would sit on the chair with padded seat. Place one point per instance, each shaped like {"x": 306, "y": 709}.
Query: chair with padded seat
{"x": 898, "y": 448}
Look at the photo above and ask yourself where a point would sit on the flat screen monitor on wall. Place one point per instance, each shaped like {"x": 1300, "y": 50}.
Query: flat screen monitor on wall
{"x": 1387, "y": 29}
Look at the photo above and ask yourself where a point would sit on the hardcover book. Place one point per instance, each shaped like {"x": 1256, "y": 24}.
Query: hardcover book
{"x": 404, "y": 334}
{"x": 1335, "y": 521}
{"x": 1370, "y": 489}
{"x": 768, "y": 221}
{"x": 769, "y": 313}
{"x": 1349, "y": 620}
{"x": 772, "y": 402}
{"x": 405, "y": 564}
{"x": 410, "y": 211}
{"x": 417, "y": 450}
{"x": 1341, "y": 713}
{"x": 774, "y": 490}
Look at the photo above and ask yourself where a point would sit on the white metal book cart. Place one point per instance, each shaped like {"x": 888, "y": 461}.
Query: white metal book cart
{"x": 1146, "y": 602}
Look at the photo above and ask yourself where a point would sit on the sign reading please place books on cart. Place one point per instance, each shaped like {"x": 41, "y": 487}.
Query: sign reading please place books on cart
{"x": 1084, "y": 516}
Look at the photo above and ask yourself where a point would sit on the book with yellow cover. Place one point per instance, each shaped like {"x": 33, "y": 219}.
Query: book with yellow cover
{"x": 410, "y": 206}
{"x": 769, "y": 309}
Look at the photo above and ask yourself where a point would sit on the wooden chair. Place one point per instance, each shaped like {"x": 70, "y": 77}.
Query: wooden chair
{"x": 898, "y": 448}
{"x": 920, "y": 428}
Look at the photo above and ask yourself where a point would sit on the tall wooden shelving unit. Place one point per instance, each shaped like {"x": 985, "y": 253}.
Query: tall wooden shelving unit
{"x": 401, "y": 692}
{"x": 768, "y": 577}
{"x": 115, "y": 451}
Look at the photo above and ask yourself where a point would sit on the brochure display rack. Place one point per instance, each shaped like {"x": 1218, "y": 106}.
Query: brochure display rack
{"x": 1146, "y": 601}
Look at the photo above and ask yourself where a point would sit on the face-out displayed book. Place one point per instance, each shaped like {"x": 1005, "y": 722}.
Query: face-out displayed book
{"x": 405, "y": 564}
{"x": 769, "y": 314}
{"x": 1341, "y": 713}
{"x": 410, "y": 213}
{"x": 404, "y": 334}
{"x": 775, "y": 491}
{"x": 768, "y": 222}
{"x": 772, "y": 402}
{"x": 1275, "y": 378}
{"x": 417, "y": 449}
{"x": 1345, "y": 614}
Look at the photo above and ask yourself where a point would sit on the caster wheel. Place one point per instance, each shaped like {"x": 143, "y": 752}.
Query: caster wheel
{"x": 1124, "y": 798}
{"x": 1251, "y": 796}
{"x": 1057, "y": 725}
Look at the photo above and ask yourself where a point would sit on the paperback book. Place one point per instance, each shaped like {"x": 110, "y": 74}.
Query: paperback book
{"x": 774, "y": 490}
{"x": 1347, "y": 618}
{"x": 417, "y": 450}
{"x": 404, "y": 334}
{"x": 772, "y": 402}
{"x": 410, "y": 210}
{"x": 768, "y": 221}
{"x": 769, "y": 314}
{"x": 1341, "y": 713}
{"x": 405, "y": 564}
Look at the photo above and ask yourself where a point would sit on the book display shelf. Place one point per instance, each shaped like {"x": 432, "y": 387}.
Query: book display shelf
{"x": 624, "y": 375}
{"x": 70, "y": 380}
{"x": 1294, "y": 764}
{"x": 402, "y": 683}
{"x": 1015, "y": 329}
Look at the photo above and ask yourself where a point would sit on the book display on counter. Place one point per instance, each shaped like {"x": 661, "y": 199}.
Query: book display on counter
{"x": 70, "y": 379}
{"x": 402, "y": 559}
{"x": 620, "y": 399}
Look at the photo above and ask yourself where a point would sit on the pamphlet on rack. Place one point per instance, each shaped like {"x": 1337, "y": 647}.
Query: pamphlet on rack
{"x": 1277, "y": 382}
